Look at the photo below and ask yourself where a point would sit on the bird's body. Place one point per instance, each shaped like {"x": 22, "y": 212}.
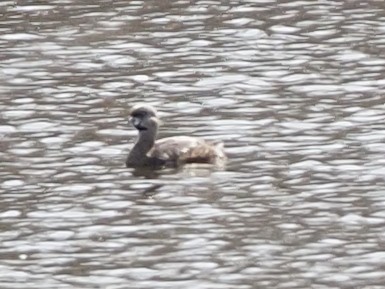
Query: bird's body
{"x": 171, "y": 151}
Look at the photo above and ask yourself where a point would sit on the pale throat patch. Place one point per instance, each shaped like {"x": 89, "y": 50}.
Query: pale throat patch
{"x": 136, "y": 121}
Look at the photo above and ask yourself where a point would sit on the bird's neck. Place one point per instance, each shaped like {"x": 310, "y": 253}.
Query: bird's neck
{"x": 145, "y": 142}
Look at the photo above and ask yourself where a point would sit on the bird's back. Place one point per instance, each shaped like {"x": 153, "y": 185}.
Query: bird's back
{"x": 184, "y": 149}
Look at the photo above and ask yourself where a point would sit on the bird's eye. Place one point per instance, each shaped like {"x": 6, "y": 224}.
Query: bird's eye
{"x": 138, "y": 114}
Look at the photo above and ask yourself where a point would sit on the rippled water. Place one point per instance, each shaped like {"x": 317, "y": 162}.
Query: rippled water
{"x": 294, "y": 89}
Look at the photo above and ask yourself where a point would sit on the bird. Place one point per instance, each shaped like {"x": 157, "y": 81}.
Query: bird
{"x": 175, "y": 151}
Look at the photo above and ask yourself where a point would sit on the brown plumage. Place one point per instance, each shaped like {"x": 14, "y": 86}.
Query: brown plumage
{"x": 171, "y": 151}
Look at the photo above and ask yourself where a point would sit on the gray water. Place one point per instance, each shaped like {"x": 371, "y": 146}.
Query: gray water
{"x": 294, "y": 89}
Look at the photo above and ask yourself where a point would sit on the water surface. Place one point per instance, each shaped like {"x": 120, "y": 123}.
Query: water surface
{"x": 293, "y": 88}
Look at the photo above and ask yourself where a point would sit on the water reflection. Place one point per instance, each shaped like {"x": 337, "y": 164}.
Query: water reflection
{"x": 293, "y": 88}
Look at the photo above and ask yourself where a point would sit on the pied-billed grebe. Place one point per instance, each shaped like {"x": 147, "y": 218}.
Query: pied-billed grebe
{"x": 171, "y": 151}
